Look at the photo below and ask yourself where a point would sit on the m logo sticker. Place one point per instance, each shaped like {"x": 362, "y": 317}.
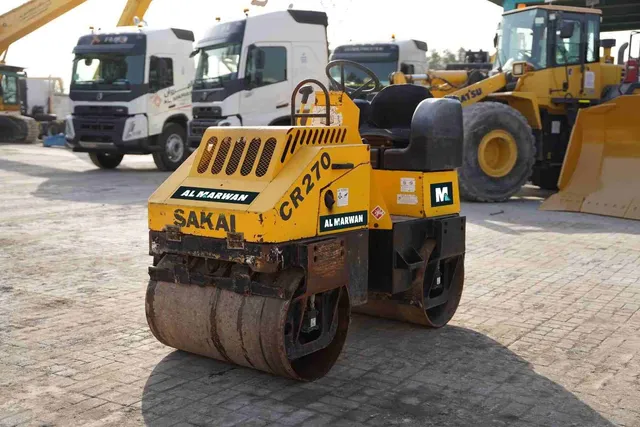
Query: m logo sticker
{"x": 441, "y": 194}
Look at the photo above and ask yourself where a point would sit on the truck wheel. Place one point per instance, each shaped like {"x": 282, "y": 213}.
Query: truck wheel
{"x": 174, "y": 148}
{"x": 499, "y": 152}
{"x": 106, "y": 160}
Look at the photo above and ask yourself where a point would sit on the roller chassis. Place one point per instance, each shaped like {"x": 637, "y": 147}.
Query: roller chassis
{"x": 283, "y": 305}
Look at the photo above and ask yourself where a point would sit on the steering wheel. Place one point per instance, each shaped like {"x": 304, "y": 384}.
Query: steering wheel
{"x": 353, "y": 93}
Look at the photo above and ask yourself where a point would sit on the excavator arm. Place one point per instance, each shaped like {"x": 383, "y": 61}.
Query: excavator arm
{"x": 26, "y": 18}
{"x": 133, "y": 8}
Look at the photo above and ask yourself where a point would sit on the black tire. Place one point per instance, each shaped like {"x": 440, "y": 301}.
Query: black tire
{"x": 175, "y": 148}
{"x": 479, "y": 120}
{"x": 106, "y": 160}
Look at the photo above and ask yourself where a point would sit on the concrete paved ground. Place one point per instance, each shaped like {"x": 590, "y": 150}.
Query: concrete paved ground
{"x": 547, "y": 334}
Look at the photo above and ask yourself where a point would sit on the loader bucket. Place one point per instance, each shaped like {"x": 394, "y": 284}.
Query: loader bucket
{"x": 601, "y": 170}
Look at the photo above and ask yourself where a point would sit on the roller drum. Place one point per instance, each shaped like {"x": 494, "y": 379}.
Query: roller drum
{"x": 245, "y": 330}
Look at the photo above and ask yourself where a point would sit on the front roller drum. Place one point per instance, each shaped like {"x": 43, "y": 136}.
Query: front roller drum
{"x": 269, "y": 334}
{"x": 432, "y": 300}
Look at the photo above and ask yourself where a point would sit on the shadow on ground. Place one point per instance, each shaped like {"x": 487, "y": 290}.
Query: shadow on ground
{"x": 121, "y": 186}
{"x": 390, "y": 373}
{"x": 521, "y": 216}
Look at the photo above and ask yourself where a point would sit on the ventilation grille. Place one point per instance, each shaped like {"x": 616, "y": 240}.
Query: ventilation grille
{"x": 243, "y": 157}
{"x": 222, "y": 156}
{"x": 265, "y": 158}
{"x": 312, "y": 136}
{"x": 236, "y": 155}
{"x": 206, "y": 156}
{"x": 250, "y": 158}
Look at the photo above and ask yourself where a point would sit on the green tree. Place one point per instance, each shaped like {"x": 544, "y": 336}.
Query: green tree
{"x": 435, "y": 60}
{"x": 448, "y": 57}
{"x": 462, "y": 53}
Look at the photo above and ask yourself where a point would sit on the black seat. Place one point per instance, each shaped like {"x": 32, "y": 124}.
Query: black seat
{"x": 435, "y": 142}
{"x": 390, "y": 113}
{"x": 365, "y": 109}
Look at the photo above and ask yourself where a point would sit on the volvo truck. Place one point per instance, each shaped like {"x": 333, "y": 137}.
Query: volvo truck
{"x": 384, "y": 58}
{"x": 131, "y": 94}
{"x": 247, "y": 69}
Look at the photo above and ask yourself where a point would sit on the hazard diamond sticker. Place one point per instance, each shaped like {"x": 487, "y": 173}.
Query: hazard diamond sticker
{"x": 377, "y": 212}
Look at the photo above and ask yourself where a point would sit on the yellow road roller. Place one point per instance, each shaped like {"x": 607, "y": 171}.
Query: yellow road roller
{"x": 267, "y": 238}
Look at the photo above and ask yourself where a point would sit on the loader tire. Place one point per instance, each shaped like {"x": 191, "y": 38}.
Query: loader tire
{"x": 499, "y": 152}
{"x": 174, "y": 148}
{"x": 106, "y": 160}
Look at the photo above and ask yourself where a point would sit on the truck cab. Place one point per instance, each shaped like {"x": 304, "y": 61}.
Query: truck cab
{"x": 384, "y": 58}
{"x": 131, "y": 94}
{"x": 247, "y": 69}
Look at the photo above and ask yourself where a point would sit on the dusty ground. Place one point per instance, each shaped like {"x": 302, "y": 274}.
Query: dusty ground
{"x": 548, "y": 332}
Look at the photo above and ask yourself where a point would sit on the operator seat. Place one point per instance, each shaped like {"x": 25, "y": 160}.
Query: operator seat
{"x": 388, "y": 118}
{"x": 435, "y": 140}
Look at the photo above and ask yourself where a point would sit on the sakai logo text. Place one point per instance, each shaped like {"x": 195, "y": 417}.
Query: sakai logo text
{"x": 441, "y": 194}
{"x": 215, "y": 195}
{"x": 204, "y": 220}
{"x": 309, "y": 181}
{"x": 341, "y": 221}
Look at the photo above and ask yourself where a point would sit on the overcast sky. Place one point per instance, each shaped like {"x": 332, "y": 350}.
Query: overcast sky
{"x": 443, "y": 24}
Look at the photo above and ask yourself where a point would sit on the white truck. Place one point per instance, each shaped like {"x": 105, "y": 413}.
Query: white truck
{"x": 384, "y": 58}
{"x": 47, "y": 102}
{"x": 248, "y": 68}
{"x": 131, "y": 94}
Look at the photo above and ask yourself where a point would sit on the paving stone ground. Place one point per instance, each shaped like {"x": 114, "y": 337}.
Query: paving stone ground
{"x": 547, "y": 334}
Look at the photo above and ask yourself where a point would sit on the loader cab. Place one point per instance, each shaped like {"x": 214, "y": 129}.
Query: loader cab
{"x": 548, "y": 36}
{"x": 246, "y": 69}
{"x": 561, "y": 46}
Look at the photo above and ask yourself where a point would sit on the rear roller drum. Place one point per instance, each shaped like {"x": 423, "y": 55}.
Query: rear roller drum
{"x": 299, "y": 338}
{"x": 432, "y": 301}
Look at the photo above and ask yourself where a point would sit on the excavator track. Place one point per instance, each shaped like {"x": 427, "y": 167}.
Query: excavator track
{"x": 18, "y": 129}
{"x": 267, "y": 333}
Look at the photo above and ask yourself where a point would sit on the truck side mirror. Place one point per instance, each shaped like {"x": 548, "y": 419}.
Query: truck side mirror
{"x": 567, "y": 28}
{"x": 495, "y": 41}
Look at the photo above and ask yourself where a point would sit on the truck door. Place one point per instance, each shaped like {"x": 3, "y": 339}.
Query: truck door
{"x": 268, "y": 84}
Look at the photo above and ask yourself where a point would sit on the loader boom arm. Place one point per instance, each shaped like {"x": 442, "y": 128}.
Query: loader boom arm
{"x": 480, "y": 90}
{"x": 452, "y": 84}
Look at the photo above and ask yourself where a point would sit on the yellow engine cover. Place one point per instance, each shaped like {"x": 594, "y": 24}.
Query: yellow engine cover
{"x": 237, "y": 182}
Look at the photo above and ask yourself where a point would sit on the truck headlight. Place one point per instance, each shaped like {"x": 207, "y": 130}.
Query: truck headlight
{"x": 135, "y": 128}
{"x": 69, "y": 132}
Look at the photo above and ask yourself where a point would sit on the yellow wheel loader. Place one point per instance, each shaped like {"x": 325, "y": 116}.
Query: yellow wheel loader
{"x": 518, "y": 121}
{"x": 267, "y": 238}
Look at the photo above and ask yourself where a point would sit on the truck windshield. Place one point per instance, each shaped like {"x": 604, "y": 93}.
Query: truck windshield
{"x": 217, "y": 64}
{"x": 107, "y": 71}
{"x": 355, "y": 77}
{"x": 522, "y": 36}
